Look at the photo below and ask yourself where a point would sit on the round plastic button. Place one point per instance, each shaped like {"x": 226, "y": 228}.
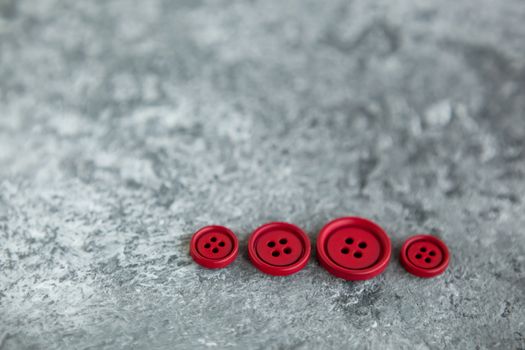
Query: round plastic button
{"x": 424, "y": 256}
{"x": 353, "y": 248}
{"x": 279, "y": 248}
{"x": 214, "y": 247}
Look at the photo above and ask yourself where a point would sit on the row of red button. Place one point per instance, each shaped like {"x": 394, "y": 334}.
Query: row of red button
{"x": 352, "y": 248}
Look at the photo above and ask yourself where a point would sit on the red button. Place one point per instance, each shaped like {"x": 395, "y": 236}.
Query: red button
{"x": 424, "y": 256}
{"x": 214, "y": 247}
{"x": 279, "y": 248}
{"x": 353, "y": 248}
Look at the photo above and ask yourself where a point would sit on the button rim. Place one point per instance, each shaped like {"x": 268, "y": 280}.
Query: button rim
{"x": 213, "y": 263}
{"x": 275, "y": 270}
{"x": 348, "y": 274}
{"x": 419, "y": 271}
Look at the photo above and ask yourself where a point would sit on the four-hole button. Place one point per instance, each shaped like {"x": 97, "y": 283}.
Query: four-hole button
{"x": 279, "y": 248}
{"x": 353, "y": 248}
{"x": 424, "y": 256}
{"x": 214, "y": 247}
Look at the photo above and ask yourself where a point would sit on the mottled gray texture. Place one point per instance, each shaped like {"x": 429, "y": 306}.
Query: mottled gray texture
{"x": 125, "y": 126}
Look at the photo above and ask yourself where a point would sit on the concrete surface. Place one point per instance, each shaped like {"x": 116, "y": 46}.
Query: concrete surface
{"x": 127, "y": 125}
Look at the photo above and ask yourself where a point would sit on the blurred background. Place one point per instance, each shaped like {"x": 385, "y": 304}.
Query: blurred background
{"x": 127, "y": 125}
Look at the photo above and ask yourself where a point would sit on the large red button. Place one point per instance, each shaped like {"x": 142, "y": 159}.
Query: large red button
{"x": 353, "y": 248}
{"x": 424, "y": 256}
{"x": 214, "y": 247}
{"x": 279, "y": 248}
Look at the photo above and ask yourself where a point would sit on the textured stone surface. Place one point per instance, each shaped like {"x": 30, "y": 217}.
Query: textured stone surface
{"x": 124, "y": 127}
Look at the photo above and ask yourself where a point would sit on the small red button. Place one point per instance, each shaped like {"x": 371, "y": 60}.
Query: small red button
{"x": 279, "y": 248}
{"x": 214, "y": 247}
{"x": 424, "y": 256}
{"x": 353, "y": 248}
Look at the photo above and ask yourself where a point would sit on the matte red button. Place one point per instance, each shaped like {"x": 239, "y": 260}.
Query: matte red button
{"x": 214, "y": 247}
{"x": 279, "y": 248}
{"x": 424, "y": 256}
{"x": 353, "y": 248}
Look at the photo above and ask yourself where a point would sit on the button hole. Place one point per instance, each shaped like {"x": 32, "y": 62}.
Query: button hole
{"x": 362, "y": 245}
{"x": 276, "y": 253}
{"x": 271, "y": 244}
{"x": 432, "y": 253}
{"x": 221, "y": 244}
{"x": 428, "y": 260}
{"x": 418, "y": 256}
{"x": 349, "y": 241}
{"x": 358, "y": 255}
{"x": 283, "y": 241}
{"x": 287, "y": 250}
{"x": 423, "y": 249}
{"x": 345, "y": 250}
{"x": 215, "y": 250}
{"x": 213, "y": 239}
{"x": 207, "y": 245}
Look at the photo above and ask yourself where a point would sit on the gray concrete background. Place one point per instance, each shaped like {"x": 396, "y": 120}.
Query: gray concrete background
{"x": 126, "y": 126}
